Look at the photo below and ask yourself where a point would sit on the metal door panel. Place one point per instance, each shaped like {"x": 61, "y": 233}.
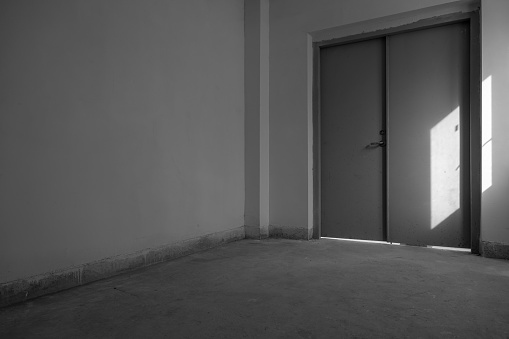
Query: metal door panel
{"x": 352, "y": 89}
{"x": 428, "y": 124}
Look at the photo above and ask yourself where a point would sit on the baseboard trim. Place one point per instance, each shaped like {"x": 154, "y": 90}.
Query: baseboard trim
{"x": 288, "y": 232}
{"x": 24, "y": 289}
{"x": 256, "y": 232}
{"x": 490, "y": 249}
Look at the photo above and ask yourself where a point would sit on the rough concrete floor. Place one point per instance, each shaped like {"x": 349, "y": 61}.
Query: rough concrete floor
{"x": 283, "y": 289}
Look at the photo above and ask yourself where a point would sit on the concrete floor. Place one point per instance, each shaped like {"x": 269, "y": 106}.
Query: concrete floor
{"x": 283, "y": 289}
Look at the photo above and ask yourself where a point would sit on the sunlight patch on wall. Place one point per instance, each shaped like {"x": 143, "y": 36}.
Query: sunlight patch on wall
{"x": 487, "y": 161}
{"x": 445, "y": 168}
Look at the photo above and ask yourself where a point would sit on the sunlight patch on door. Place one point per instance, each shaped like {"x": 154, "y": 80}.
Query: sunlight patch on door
{"x": 487, "y": 161}
{"x": 445, "y": 168}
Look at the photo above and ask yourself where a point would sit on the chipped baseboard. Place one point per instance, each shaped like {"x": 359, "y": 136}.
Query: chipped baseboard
{"x": 287, "y": 232}
{"x": 490, "y": 249}
{"x": 36, "y": 286}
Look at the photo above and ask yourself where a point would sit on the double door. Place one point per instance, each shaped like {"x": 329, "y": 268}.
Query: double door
{"x": 394, "y": 136}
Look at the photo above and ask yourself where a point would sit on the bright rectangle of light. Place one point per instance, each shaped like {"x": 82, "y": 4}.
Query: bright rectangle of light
{"x": 487, "y": 138}
{"x": 445, "y": 167}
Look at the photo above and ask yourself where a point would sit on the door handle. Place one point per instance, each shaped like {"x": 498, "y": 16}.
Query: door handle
{"x": 380, "y": 143}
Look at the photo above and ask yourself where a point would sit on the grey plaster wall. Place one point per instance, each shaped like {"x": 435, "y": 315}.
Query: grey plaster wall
{"x": 256, "y": 89}
{"x": 495, "y": 120}
{"x": 121, "y": 127}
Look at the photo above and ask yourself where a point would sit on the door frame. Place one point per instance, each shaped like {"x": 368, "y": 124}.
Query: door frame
{"x": 472, "y": 18}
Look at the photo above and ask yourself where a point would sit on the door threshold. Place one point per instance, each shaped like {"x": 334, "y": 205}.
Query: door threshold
{"x": 456, "y": 249}
{"x": 365, "y": 241}
{"x": 444, "y": 248}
